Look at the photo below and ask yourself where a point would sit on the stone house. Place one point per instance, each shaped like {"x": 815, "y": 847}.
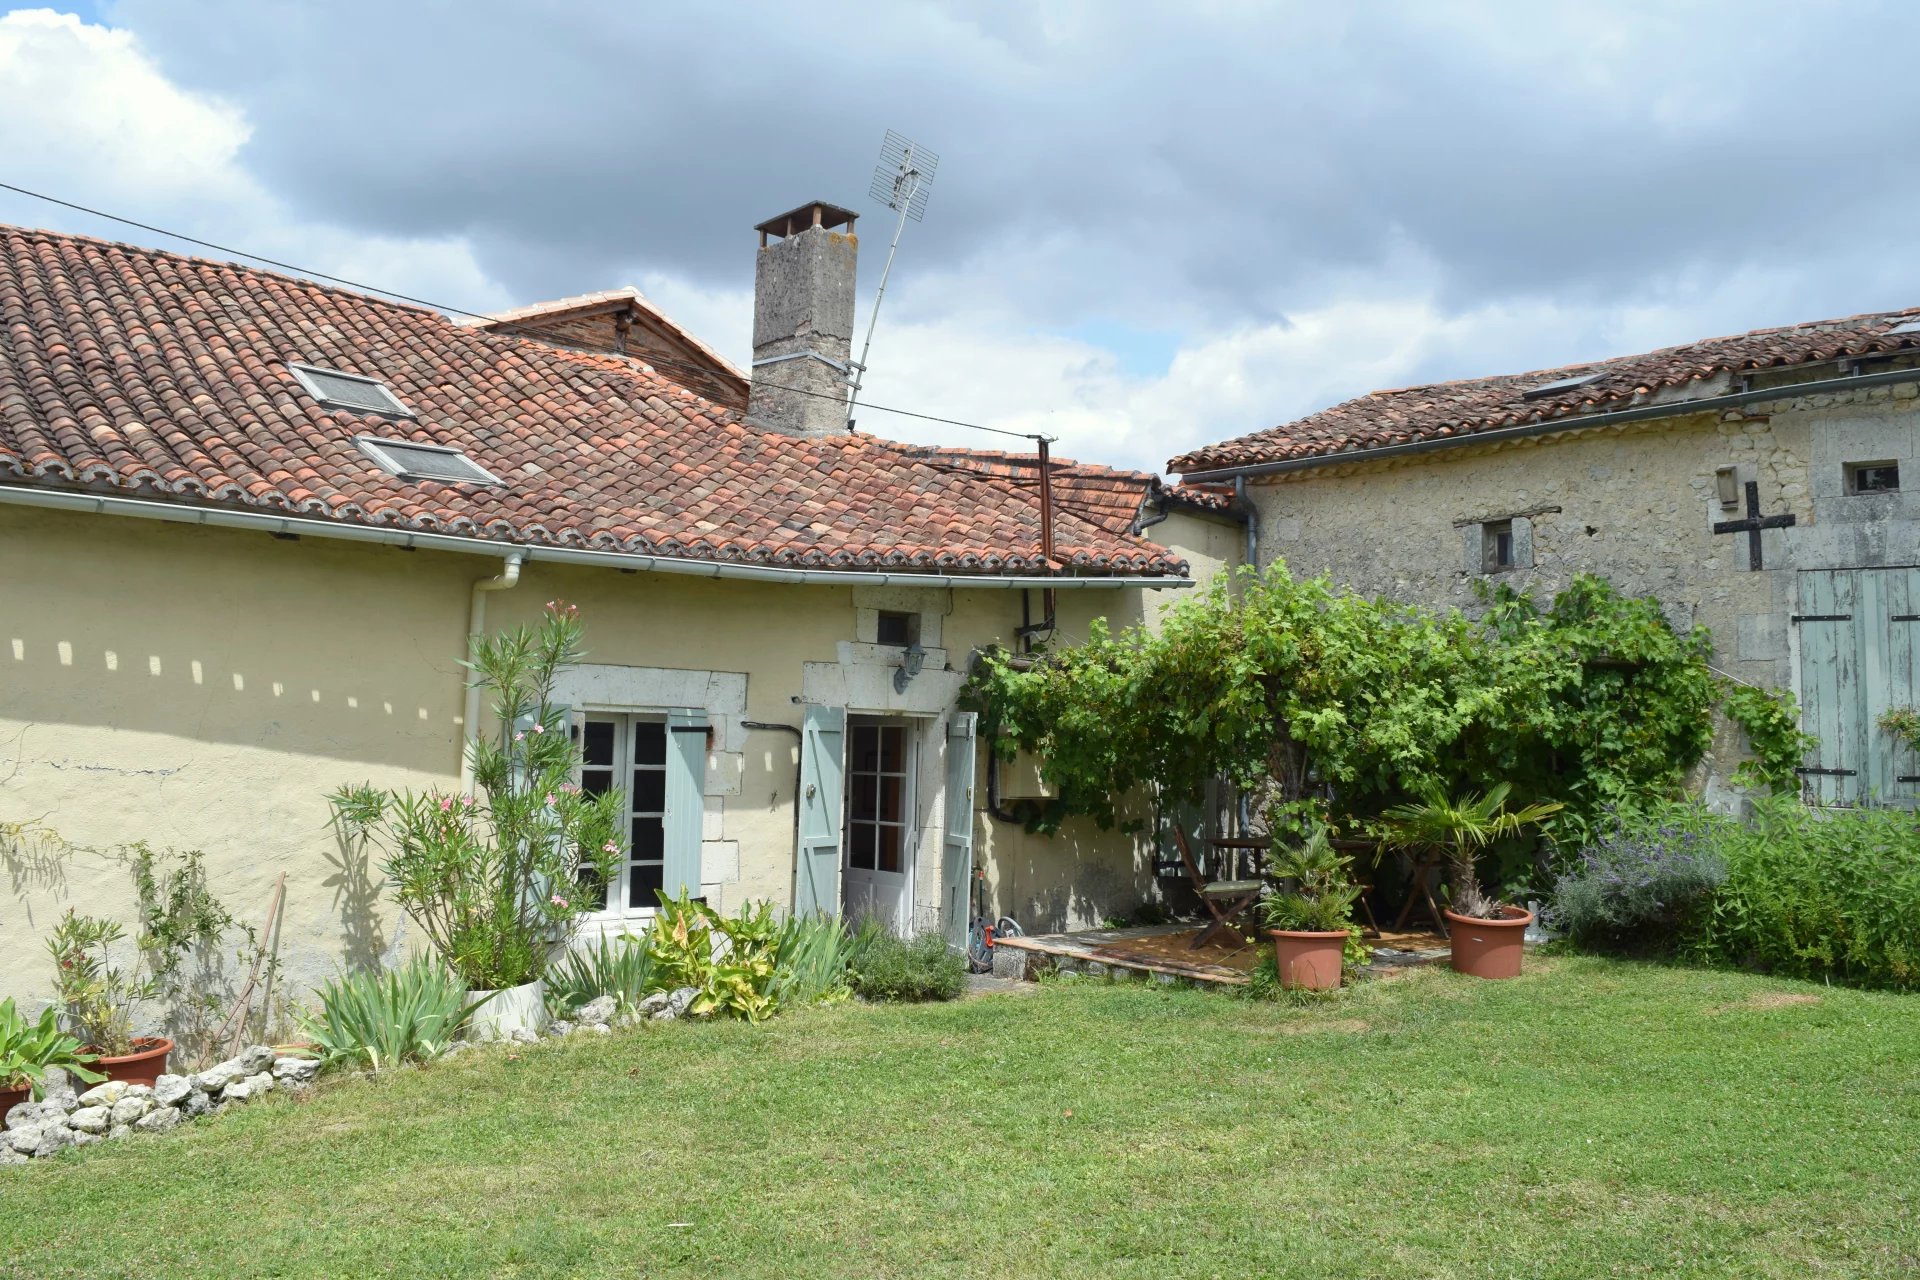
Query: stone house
{"x": 250, "y": 524}
{"x": 1762, "y": 485}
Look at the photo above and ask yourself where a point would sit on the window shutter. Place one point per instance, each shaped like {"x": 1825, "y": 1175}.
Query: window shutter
{"x": 956, "y": 876}
{"x": 686, "y": 783}
{"x": 816, "y": 877}
{"x": 1522, "y": 543}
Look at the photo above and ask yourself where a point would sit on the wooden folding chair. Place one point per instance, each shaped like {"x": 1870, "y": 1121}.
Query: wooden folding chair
{"x": 1224, "y": 899}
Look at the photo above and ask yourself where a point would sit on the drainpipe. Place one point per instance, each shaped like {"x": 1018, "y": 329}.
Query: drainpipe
{"x": 508, "y": 578}
{"x": 1029, "y": 629}
{"x": 1250, "y": 516}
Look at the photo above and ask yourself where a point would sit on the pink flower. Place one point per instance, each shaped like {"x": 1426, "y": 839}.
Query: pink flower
{"x": 569, "y": 788}
{"x": 538, "y": 728}
{"x": 611, "y": 847}
{"x": 559, "y": 901}
{"x": 550, "y": 800}
{"x": 519, "y": 737}
{"x": 446, "y": 803}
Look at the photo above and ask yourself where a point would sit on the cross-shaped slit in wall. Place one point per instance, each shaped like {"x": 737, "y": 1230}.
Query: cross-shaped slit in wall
{"x": 1753, "y": 524}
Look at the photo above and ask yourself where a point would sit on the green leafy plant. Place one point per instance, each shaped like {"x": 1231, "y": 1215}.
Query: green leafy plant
{"x": 379, "y": 1020}
{"x": 727, "y": 960}
{"x": 1458, "y": 827}
{"x": 1321, "y": 891}
{"x": 492, "y": 879}
{"x": 181, "y": 935}
{"x": 812, "y": 955}
{"x": 1771, "y": 719}
{"x": 1817, "y": 893}
{"x": 98, "y": 997}
{"x": 895, "y": 969}
{"x": 1903, "y": 723}
{"x": 27, "y": 1049}
{"x": 622, "y": 968}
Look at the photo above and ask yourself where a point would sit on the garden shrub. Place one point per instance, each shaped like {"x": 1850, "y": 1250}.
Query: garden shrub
{"x": 377, "y": 1020}
{"x": 621, "y": 968}
{"x": 921, "y": 968}
{"x": 1818, "y": 893}
{"x": 1641, "y": 885}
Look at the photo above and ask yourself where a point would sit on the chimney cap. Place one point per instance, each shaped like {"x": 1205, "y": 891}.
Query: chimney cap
{"x": 815, "y": 213}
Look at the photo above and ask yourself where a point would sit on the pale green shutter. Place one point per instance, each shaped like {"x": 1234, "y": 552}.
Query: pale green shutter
{"x": 686, "y": 783}
{"x": 816, "y": 878}
{"x": 956, "y": 875}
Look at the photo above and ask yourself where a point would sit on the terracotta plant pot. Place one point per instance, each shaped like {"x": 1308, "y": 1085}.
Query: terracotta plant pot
{"x": 1307, "y": 959}
{"x": 1489, "y": 948}
{"x": 13, "y": 1097}
{"x": 147, "y": 1062}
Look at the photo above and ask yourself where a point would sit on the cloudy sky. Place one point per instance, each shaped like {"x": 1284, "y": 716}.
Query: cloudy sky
{"x": 1153, "y": 225}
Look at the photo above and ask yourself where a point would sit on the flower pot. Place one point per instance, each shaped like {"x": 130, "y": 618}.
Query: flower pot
{"x": 521, "y": 1008}
{"x": 12, "y": 1096}
{"x": 1308, "y": 959}
{"x": 147, "y": 1062}
{"x": 1489, "y": 948}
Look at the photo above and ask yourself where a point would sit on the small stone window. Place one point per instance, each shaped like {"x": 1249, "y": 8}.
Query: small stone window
{"x": 1498, "y": 546}
{"x": 897, "y": 629}
{"x": 1873, "y": 477}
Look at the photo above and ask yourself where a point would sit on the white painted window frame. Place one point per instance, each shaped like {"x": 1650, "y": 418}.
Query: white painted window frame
{"x": 618, "y": 911}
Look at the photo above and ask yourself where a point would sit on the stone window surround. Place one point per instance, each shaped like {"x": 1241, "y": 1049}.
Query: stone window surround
{"x": 1476, "y": 530}
{"x": 723, "y": 696}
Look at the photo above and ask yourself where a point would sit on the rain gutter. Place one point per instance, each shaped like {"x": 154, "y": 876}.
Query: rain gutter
{"x": 220, "y": 517}
{"x": 1572, "y": 422}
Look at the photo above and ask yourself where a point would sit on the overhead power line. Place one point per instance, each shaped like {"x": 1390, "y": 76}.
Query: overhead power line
{"x": 481, "y": 315}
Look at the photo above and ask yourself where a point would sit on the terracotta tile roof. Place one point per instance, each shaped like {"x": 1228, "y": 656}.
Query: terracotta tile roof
{"x": 151, "y": 374}
{"x": 1106, "y": 496}
{"x": 1484, "y": 404}
{"x": 600, "y": 322}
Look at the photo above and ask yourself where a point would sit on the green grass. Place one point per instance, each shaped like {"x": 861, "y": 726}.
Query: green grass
{"x": 1594, "y": 1118}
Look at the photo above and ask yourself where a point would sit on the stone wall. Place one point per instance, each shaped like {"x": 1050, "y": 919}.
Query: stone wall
{"x": 1636, "y": 504}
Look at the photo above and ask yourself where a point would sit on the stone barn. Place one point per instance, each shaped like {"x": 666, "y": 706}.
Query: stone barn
{"x": 1763, "y": 485}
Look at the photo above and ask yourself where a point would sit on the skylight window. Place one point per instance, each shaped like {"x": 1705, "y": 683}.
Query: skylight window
{"x": 1555, "y": 388}
{"x": 339, "y": 390}
{"x": 1909, "y": 326}
{"x": 412, "y": 461}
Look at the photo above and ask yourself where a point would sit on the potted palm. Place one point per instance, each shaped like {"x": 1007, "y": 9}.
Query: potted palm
{"x": 1309, "y": 922}
{"x": 1486, "y": 934}
{"x": 28, "y": 1049}
{"x": 99, "y": 998}
{"x": 493, "y": 878}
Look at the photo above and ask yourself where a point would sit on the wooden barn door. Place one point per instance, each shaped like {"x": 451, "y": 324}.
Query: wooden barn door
{"x": 1857, "y": 629}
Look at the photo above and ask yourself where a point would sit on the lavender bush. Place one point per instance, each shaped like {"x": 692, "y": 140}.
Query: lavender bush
{"x": 1639, "y": 886}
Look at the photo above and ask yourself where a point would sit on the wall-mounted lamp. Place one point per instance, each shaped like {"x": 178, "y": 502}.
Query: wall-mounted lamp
{"x": 911, "y": 662}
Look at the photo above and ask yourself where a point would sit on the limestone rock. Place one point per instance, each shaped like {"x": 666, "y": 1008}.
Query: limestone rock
{"x": 119, "y": 1131}
{"x": 81, "y": 1138}
{"x": 59, "y": 1101}
{"x": 171, "y": 1091}
{"x": 58, "y": 1080}
{"x": 525, "y": 1035}
{"x": 597, "y": 1012}
{"x": 300, "y": 1069}
{"x": 138, "y": 1091}
{"x": 26, "y": 1137}
{"x": 9, "y": 1156}
{"x": 655, "y": 1002}
{"x": 219, "y": 1076}
{"x": 92, "y": 1119}
{"x": 196, "y": 1104}
{"x": 54, "y": 1138}
{"x": 248, "y": 1089}
{"x": 559, "y": 1028}
{"x": 254, "y": 1059}
{"x": 597, "y": 1029}
{"x": 159, "y": 1120}
{"x": 127, "y": 1110}
{"x": 23, "y": 1115}
{"x": 104, "y": 1094}
{"x": 677, "y": 1001}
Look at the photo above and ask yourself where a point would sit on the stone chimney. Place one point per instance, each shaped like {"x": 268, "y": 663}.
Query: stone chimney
{"x": 803, "y": 321}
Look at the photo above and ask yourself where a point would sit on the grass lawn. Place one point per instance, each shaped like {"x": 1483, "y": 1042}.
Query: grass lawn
{"x": 1590, "y": 1119}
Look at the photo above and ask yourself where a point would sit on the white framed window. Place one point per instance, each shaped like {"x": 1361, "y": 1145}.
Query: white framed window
{"x": 628, "y": 753}
{"x": 349, "y": 391}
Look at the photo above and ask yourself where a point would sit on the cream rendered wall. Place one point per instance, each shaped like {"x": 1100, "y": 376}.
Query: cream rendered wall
{"x": 206, "y": 688}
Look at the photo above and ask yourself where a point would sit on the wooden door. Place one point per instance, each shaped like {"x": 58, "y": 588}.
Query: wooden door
{"x": 1857, "y": 635}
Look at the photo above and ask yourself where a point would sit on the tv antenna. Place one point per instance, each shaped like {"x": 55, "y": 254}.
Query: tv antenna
{"x": 900, "y": 181}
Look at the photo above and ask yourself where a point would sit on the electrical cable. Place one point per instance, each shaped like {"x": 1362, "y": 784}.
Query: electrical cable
{"x": 447, "y": 309}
